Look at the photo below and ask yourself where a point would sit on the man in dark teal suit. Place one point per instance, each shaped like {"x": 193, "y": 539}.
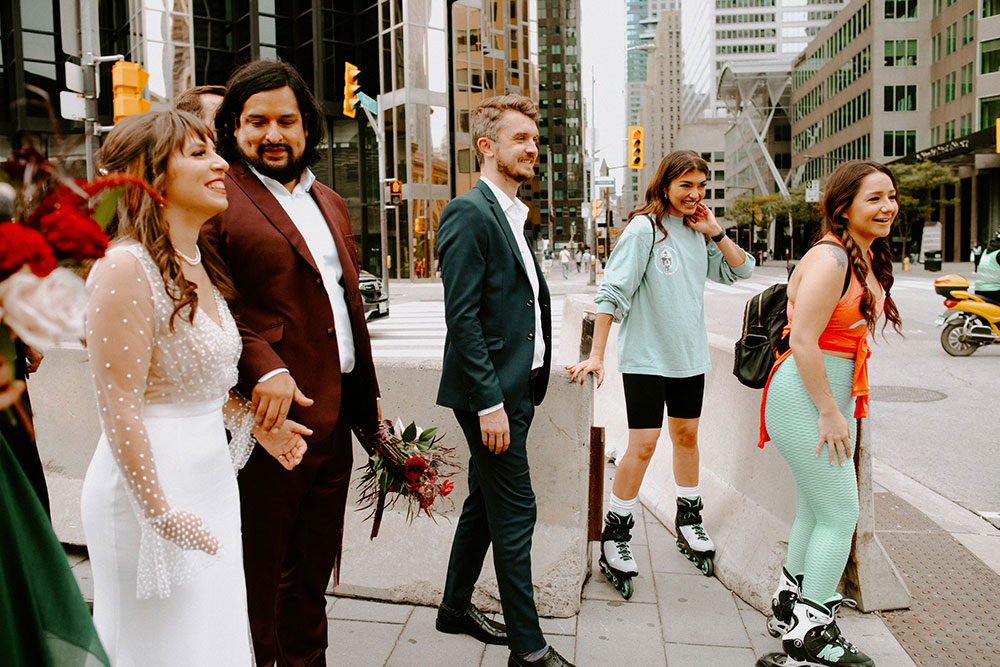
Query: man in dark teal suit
{"x": 496, "y": 367}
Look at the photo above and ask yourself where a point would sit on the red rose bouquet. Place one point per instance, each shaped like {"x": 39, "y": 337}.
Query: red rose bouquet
{"x": 404, "y": 463}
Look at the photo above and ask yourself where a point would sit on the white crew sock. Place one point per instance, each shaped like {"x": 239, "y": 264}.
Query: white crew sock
{"x": 692, "y": 492}
{"x": 619, "y": 506}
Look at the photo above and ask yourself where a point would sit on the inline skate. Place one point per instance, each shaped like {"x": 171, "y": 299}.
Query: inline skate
{"x": 783, "y": 602}
{"x": 692, "y": 540}
{"x": 617, "y": 562}
{"x": 814, "y": 640}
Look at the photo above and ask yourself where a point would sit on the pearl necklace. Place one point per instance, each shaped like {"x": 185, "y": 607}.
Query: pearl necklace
{"x": 193, "y": 261}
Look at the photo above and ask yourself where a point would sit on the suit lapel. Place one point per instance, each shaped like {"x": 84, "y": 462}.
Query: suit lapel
{"x": 272, "y": 210}
{"x": 331, "y": 215}
{"x": 501, "y": 218}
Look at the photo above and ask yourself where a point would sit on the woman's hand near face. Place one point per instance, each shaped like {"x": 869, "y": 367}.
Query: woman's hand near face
{"x": 703, "y": 220}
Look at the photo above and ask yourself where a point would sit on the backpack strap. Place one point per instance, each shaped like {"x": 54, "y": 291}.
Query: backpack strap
{"x": 850, "y": 268}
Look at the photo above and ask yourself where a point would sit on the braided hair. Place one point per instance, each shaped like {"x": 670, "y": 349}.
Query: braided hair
{"x": 841, "y": 189}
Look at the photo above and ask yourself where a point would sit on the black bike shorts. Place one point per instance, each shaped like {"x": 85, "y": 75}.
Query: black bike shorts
{"x": 645, "y": 396}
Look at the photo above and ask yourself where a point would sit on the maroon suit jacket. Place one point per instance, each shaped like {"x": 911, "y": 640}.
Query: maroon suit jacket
{"x": 283, "y": 310}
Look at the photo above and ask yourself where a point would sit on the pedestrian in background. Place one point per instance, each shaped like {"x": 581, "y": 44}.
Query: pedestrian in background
{"x": 579, "y": 259}
{"x": 587, "y": 258}
{"x": 564, "y": 259}
{"x": 815, "y": 391}
{"x": 975, "y": 255}
{"x": 495, "y": 371}
{"x": 654, "y": 283}
{"x": 988, "y": 275}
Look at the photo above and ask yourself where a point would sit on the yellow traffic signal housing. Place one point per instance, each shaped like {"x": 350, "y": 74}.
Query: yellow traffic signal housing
{"x": 635, "y": 147}
{"x": 395, "y": 193}
{"x": 351, "y": 87}
{"x": 127, "y": 81}
{"x": 597, "y": 208}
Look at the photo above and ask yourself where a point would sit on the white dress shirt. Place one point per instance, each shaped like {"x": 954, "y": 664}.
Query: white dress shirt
{"x": 308, "y": 219}
{"x": 516, "y": 213}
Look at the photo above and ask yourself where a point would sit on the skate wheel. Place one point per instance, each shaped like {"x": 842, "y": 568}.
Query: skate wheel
{"x": 707, "y": 567}
{"x": 626, "y": 589}
{"x": 772, "y": 660}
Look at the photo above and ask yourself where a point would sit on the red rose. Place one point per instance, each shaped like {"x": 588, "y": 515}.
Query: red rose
{"x": 20, "y": 245}
{"x": 415, "y": 467}
{"x": 447, "y": 488}
{"x": 73, "y": 234}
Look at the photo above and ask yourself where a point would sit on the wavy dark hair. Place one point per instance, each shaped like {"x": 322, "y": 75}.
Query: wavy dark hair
{"x": 842, "y": 188}
{"x": 257, "y": 76}
{"x": 141, "y": 145}
{"x": 672, "y": 167}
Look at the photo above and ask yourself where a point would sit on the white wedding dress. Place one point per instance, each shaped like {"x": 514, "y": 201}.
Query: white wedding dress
{"x": 161, "y": 489}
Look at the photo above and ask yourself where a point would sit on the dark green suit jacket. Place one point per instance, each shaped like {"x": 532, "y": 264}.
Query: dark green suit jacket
{"x": 489, "y": 307}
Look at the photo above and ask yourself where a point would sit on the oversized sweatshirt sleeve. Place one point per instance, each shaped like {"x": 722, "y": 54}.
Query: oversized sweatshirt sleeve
{"x": 625, "y": 268}
{"x": 720, "y": 271}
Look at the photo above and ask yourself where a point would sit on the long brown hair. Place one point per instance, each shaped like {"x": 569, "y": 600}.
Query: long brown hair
{"x": 141, "y": 145}
{"x": 841, "y": 189}
{"x": 672, "y": 167}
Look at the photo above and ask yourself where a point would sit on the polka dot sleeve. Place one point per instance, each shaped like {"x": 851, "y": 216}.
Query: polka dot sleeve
{"x": 238, "y": 415}
{"x": 120, "y": 334}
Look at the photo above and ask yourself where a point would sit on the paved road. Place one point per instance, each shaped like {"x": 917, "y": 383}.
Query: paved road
{"x": 935, "y": 417}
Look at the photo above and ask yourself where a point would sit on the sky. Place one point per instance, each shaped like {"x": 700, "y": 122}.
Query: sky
{"x": 603, "y": 55}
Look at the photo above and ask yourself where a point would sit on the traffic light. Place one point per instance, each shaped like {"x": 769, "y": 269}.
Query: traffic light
{"x": 635, "y": 147}
{"x": 127, "y": 81}
{"x": 395, "y": 192}
{"x": 351, "y": 87}
{"x": 597, "y": 209}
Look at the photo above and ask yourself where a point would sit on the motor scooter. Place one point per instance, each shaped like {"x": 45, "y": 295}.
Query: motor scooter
{"x": 970, "y": 322}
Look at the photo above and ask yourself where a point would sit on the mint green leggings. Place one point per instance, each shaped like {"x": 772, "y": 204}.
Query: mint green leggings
{"x": 826, "y": 495}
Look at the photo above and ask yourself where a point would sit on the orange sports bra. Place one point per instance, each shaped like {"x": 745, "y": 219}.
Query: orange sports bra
{"x": 846, "y": 331}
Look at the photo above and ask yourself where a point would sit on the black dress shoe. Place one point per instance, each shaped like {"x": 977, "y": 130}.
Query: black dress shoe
{"x": 550, "y": 659}
{"x": 471, "y": 622}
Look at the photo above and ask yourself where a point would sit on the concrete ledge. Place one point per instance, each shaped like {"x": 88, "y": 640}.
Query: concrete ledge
{"x": 408, "y": 561}
{"x": 749, "y": 493}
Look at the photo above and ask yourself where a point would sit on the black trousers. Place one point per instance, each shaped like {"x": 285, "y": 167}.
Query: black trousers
{"x": 500, "y": 510}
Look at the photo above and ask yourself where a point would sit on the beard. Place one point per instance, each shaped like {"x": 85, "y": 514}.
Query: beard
{"x": 509, "y": 169}
{"x": 289, "y": 172}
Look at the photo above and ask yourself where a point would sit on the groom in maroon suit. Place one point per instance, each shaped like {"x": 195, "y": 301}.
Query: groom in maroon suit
{"x": 289, "y": 247}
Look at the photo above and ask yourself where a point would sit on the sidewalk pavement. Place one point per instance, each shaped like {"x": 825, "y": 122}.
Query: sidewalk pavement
{"x": 676, "y": 617}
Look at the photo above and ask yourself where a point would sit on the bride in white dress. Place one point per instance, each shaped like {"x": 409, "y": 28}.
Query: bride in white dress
{"x": 161, "y": 507}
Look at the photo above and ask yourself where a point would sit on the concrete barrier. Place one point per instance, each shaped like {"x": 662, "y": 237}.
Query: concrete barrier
{"x": 749, "y": 493}
{"x": 408, "y": 560}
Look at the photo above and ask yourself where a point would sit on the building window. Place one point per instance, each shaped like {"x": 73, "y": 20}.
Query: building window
{"x": 935, "y": 94}
{"x": 720, "y": 193}
{"x": 900, "y": 9}
{"x": 900, "y": 98}
{"x": 990, "y": 8}
{"x": 968, "y": 28}
{"x": 989, "y": 56}
{"x": 936, "y": 9}
{"x": 989, "y": 111}
{"x": 897, "y": 143}
{"x": 949, "y": 87}
{"x": 966, "y": 124}
{"x": 949, "y": 131}
{"x": 935, "y": 48}
{"x": 951, "y": 38}
{"x": 967, "y": 78}
{"x": 900, "y": 52}
{"x": 935, "y": 135}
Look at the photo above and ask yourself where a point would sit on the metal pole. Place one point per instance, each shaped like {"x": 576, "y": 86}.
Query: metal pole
{"x": 552, "y": 215}
{"x": 592, "y": 222}
{"x": 376, "y": 124}
{"x": 91, "y": 49}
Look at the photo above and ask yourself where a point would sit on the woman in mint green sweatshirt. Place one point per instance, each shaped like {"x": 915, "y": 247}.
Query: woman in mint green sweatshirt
{"x": 654, "y": 284}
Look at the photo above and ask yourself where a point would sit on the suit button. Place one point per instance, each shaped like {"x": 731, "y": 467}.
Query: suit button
{"x": 531, "y": 336}
{"x": 319, "y": 281}
{"x": 330, "y": 331}
{"x": 531, "y": 302}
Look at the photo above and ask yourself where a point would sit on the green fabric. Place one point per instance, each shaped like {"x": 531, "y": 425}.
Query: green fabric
{"x": 44, "y": 621}
{"x": 661, "y": 296}
{"x": 826, "y": 495}
{"x": 988, "y": 273}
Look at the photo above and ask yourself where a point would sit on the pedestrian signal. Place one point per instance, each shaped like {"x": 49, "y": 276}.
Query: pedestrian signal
{"x": 597, "y": 209}
{"x": 351, "y": 87}
{"x": 635, "y": 147}
{"x": 395, "y": 193}
{"x": 127, "y": 81}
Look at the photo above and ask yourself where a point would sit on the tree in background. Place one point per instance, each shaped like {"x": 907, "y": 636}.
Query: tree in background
{"x": 920, "y": 187}
{"x": 807, "y": 218}
{"x": 753, "y": 213}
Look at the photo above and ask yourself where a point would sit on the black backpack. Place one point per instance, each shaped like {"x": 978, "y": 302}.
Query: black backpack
{"x": 764, "y": 318}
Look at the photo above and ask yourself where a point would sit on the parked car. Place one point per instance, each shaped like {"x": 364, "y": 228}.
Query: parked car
{"x": 374, "y": 296}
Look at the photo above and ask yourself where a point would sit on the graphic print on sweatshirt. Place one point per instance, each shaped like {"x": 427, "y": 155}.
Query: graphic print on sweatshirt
{"x": 667, "y": 259}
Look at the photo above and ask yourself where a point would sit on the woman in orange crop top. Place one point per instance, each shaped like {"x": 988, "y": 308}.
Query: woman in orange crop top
{"x": 814, "y": 390}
